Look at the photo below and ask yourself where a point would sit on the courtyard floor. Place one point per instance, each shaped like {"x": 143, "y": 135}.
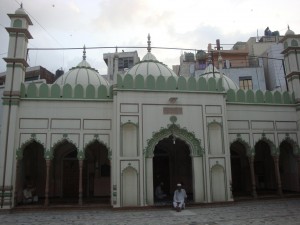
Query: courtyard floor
{"x": 259, "y": 212}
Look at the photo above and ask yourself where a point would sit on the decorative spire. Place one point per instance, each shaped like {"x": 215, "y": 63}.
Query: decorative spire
{"x": 84, "y": 56}
{"x": 149, "y": 43}
{"x": 21, "y": 5}
{"x": 288, "y": 27}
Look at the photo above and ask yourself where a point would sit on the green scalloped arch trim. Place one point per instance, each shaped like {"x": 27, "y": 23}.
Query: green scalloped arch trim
{"x": 274, "y": 150}
{"x": 100, "y": 142}
{"x": 61, "y": 141}
{"x": 296, "y": 149}
{"x": 181, "y": 133}
{"x": 19, "y": 152}
{"x": 249, "y": 151}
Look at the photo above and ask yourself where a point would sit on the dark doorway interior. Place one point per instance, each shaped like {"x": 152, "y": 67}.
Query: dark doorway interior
{"x": 264, "y": 169}
{"x": 172, "y": 164}
{"x": 240, "y": 171}
{"x": 70, "y": 175}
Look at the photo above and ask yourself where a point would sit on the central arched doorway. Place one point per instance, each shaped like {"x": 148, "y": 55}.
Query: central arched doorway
{"x": 172, "y": 164}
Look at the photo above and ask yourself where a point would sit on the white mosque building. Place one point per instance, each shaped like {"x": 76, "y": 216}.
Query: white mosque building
{"x": 83, "y": 140}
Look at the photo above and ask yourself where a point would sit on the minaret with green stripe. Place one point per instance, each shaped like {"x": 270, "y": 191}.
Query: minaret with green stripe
{"x": 15, "y": 73}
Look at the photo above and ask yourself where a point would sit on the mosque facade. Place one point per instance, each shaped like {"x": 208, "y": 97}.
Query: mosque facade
{"x": 83, "y": 140}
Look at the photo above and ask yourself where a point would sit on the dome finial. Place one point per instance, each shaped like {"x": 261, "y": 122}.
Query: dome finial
{"x": 84, "y": 56}
{"x": 21, "y": 5}
{"x": 149, "y": 43}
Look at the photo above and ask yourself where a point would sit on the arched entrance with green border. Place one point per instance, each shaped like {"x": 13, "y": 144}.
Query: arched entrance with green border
{"x": 172, "y": 164}
{"x": 171, "y": 136}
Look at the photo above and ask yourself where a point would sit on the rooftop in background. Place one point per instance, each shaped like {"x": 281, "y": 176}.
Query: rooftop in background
{"x": 33, "y": 74}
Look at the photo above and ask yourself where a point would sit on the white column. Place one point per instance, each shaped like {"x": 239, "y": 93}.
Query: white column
{"x": 149, "y": 181}
{"x": 199, "y": 191}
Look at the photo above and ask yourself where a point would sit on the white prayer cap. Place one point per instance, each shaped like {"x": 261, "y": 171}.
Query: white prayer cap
{"x": 178, "y": 185}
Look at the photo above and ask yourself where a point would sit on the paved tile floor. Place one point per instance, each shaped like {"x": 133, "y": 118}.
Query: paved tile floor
{"x": 260, "y": 212}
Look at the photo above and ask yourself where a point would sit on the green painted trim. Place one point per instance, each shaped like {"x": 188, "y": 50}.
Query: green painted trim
{"x": 178, "y": 132}
{"x": 80, "y": 154}
{"x": 20, "y": 150}
{"x": 96, "y": 139}
{"x": 212, "y": 84}
{"x": 259, "y": 104}
{"x": 273, "y": 148}
{"x": 181, "y": 83}
{"x": 53, "y": 92}
{"x": 258, "y": 97}
{"x": 169, "y": 91}
{"x": 63, "y": 140}
{"x": 249, "y": 150}
{"x": 150, "y": 82}
{"x": 48, "y": 155}
{"x": 192, "y": 84}
{"x": 240, "y": 96}
{"x": 69, "y": 99}
{"x": 78, "y": 91}
{"x": 139, "y": 82}
{"x": 90, "y": 92}
{"x": 294, "y": 144}
{"x": 128, "y": 82}
{"x": 161, "y": 83}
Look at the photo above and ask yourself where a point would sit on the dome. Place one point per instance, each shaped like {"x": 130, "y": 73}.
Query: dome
{"x": 212, "y": 71}
{"x": 150, "y": 66}
{"x": 20, "y": 11}
{"x": 289, "y": 32}
{"x": 149, "y": 56}
{"x": 82, "y": 74}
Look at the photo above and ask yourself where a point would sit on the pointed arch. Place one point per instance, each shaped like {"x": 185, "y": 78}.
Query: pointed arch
{"x": 246, "y": 145}
{"x": 273, "y": 149}
{"x": 20, "y": 150}
{"x": 295, "y": 146}
{"x": 96, "y": 140}
{"x": 177, "y": 132}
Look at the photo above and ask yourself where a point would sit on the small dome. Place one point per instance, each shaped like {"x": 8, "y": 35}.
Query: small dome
{"x": 150, "y": 66}
{"x": 149, "y": 56}
{"x": 82, "y": 74}
{"x": 20, "y": 11}
{"x": 289, "y": 32}
{"x": 212, "y": 71}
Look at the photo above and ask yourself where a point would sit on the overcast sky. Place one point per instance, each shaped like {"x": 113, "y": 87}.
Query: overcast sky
{"x": 171, "y": 23}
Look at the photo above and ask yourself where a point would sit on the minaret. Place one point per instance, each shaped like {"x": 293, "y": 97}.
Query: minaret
{"x": 15, "y": 73}
{"x": 291, "y": 52}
